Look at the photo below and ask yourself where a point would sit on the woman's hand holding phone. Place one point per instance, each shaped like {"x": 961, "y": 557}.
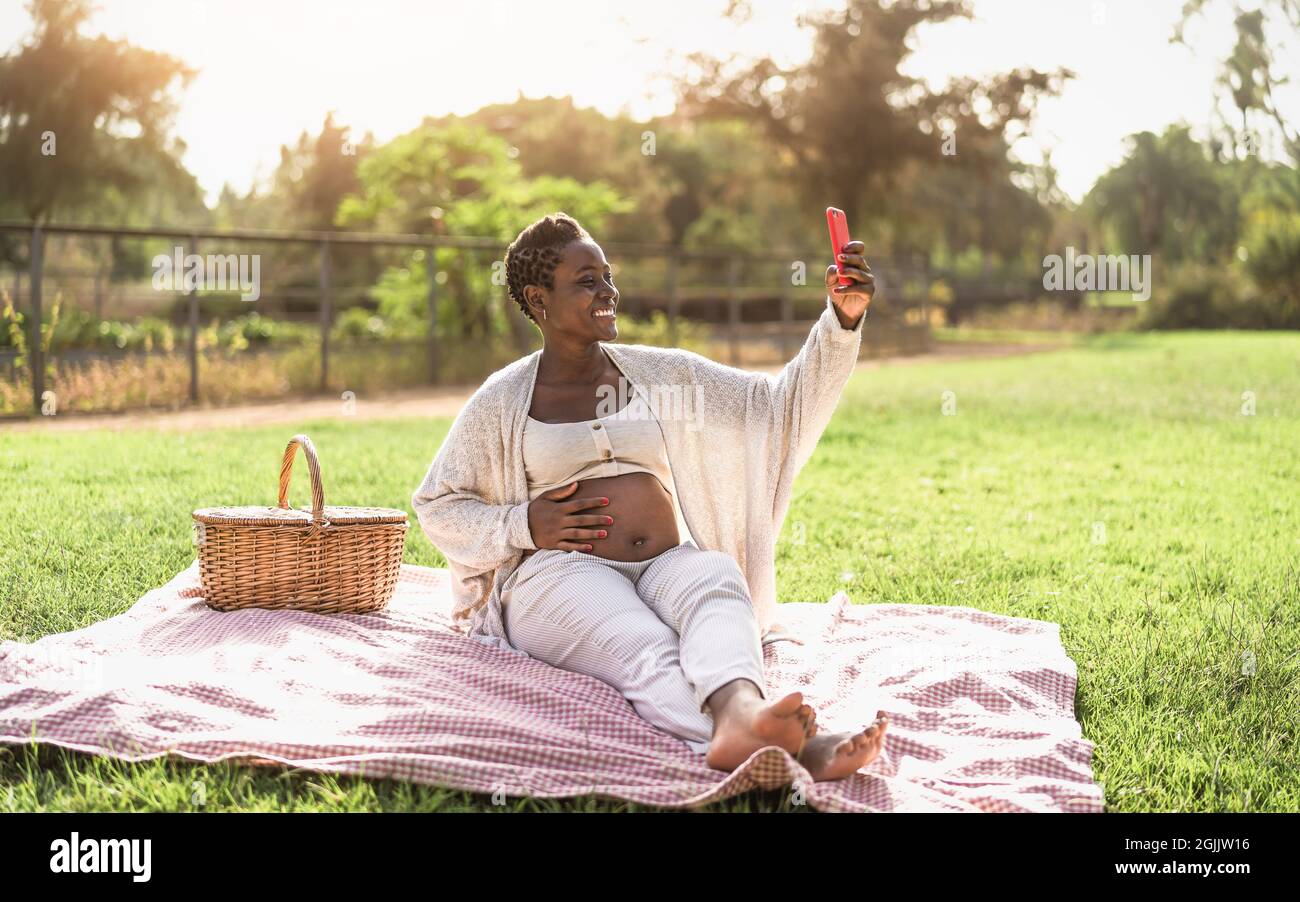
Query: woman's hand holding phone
{"x": 849, "y": 280}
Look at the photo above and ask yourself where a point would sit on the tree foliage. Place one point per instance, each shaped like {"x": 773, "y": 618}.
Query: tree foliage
{"x": 458, "y": 179}
{"x": 853, "y": 124}
{"x": 85, "y": 122}
{"x": 1251, "y": 72}
{"x": 1168, "y": 197}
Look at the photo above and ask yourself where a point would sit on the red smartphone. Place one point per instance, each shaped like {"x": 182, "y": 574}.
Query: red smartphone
{"x": 838, "y": 224}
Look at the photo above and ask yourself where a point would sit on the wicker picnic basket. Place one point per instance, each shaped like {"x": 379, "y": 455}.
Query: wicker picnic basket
{"x": 329, "y": 560}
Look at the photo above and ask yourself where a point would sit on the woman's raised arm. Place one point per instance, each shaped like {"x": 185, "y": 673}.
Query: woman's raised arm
{"x": 798, "y": 402}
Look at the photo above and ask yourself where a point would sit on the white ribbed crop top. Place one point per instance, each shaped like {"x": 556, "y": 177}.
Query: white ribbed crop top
{"x": 626, "y": 441}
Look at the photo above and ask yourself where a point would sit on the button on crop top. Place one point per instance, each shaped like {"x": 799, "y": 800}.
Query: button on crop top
{"x": 626, "y": 441}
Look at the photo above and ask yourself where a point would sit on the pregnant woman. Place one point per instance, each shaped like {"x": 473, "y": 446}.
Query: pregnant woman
{"x": 592, "y": 524}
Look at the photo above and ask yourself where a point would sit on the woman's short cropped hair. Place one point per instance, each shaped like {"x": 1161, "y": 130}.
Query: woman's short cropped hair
{"x": 533, "y": 255}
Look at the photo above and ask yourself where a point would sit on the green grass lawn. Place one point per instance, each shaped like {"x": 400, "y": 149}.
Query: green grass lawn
{"x": 1116, "y": 487}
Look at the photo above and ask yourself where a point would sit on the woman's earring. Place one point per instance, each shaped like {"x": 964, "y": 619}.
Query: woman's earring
{"x": 543, "y": 313}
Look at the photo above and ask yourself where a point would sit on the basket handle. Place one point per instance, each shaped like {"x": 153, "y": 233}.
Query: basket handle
{"x": 313, "y": 468}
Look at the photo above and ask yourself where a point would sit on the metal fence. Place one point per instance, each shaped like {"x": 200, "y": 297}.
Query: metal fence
{"x": 739, "y": 308}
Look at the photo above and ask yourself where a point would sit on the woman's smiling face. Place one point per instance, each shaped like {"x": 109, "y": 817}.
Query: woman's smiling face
{"x": 584, "y": 298}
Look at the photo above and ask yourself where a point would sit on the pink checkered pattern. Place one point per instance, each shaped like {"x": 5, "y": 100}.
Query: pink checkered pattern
{"x": 981, "y": 706}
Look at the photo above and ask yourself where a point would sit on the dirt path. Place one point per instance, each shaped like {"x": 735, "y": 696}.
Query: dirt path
{"x": 444, "y": 401}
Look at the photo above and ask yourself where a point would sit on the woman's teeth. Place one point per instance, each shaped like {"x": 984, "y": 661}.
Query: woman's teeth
{"x": 609, "y": 312}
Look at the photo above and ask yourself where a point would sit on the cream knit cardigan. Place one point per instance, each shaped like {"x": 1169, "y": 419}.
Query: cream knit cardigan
{"x": 733, "y": 460}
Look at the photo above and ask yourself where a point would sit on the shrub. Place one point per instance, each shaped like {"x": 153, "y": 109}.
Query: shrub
{"x": 359, "y": 324}
{"x": 1208, "y": 296}
{"x": 1272, "y": 251}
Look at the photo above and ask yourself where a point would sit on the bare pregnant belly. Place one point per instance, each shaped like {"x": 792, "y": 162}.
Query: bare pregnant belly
{"x": 644, "y": 520}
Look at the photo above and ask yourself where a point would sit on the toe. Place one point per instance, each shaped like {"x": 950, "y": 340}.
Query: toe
{"x": 790, "y": 704}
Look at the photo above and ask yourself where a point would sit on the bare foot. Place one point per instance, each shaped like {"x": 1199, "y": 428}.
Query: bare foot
{"x": 833, "y": 756}
{"x": 750, "y": 724}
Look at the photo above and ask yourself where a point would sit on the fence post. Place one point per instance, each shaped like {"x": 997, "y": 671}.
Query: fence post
{"x": 36, "y": 354}
{"x": 674, "y": 302}
{"x": 927, "y": 278}
{"x": 787, "y": 315}
{"x": 733, "y": 309}
{"x": 432, "y": 269}
{"x": 192, "y": 299}
{"x": 325, "y": 315}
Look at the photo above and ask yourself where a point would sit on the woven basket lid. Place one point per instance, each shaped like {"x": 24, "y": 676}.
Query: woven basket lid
{"x": 279, "y": 516}
{"x": 285, "y": 515}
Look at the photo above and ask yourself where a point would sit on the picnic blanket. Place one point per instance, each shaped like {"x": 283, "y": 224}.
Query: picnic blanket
{"x": 981, "y": 706}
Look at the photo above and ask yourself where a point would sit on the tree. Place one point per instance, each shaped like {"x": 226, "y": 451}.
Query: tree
{"x": 1250, "y": 73}
{"x": 1271, "y": 241}
{"x": 708, "y": 171}
{"x": 460, "y": 180}
{"x": 306, "y": 187}
{"x": 851, "y": 122}
{"x": 551, "y": 136}
{"x": 83, "y": 119}
{"x": 318, "y": 173}
{"x": 1168, "y": 197}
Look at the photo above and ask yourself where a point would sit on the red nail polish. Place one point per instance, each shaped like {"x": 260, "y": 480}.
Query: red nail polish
{"x": 604, "y": 501}
{"x": 602, "y": 533}
{"x": 609, "y": 521}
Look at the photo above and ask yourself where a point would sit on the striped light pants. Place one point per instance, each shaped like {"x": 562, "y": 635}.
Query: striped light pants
{"x": 667, "y": 632}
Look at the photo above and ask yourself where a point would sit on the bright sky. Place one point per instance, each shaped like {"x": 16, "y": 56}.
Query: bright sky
{"x": 271, "y": 68}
